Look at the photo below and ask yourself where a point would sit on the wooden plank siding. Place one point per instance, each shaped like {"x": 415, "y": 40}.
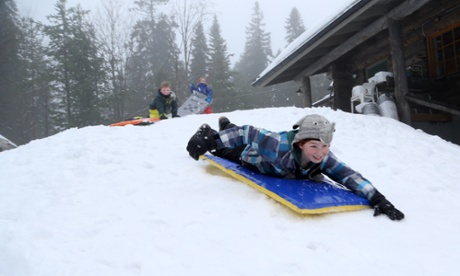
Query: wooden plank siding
{"x": 370, "y": 48}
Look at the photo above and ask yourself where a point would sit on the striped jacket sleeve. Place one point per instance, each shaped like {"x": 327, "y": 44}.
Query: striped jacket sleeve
{"x": 341, "y": 173}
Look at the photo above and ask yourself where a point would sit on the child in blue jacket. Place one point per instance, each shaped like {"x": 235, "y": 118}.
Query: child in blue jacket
{"x": 203, "y": 88}
{"x": 300, "y": 153}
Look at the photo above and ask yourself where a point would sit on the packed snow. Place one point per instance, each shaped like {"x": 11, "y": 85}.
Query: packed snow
{"x": 104, "y": 200}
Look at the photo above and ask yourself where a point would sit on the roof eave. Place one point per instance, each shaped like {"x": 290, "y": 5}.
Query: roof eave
{"x": 268, "y": 77}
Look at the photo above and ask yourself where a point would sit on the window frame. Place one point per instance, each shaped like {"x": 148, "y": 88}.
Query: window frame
{"x": 444, "y": 52}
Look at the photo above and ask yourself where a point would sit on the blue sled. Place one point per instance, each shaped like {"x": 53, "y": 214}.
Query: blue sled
{"x": 301, "y": 195}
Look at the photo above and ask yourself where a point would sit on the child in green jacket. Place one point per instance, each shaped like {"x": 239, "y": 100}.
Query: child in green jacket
{"x": 164, "y": 103}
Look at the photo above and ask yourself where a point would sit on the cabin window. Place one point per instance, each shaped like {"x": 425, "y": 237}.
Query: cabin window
{"x": 444, "y": 49}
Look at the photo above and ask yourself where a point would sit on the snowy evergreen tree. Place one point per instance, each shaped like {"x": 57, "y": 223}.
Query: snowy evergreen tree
{"x": 9, "y": 98}
{"x": 220, "y": 77}
{"x": 255, "y": 58}
{"x": 294, "y": 26}
{"x": 154, "y": 56}
{"x": 257, "y": 51}
{"x": 199, "y": 54}
{"x": 77, "y": 72}
{"x": 167, "y": 53}
{"x": 33, "y": 85}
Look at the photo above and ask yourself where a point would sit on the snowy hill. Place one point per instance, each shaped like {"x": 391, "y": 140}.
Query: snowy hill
{"x": 130, "y": 201}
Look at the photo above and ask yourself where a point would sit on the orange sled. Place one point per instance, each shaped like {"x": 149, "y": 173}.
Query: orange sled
{"x": 137, "y": 122}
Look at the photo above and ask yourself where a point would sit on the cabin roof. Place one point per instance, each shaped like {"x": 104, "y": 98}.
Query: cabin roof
{"x": 352, "y": 17}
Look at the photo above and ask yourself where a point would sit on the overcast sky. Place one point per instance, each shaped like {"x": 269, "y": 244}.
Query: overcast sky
{"x": 234, "y": 16}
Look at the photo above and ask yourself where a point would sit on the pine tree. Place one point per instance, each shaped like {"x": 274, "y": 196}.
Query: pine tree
{"x": 257, "y": 51}
{"x": 219, "y": 69}
{"x": 9, "y": 98}
{"x": 78, "y": 73}
{"x": 89, "y": 73}
{"x": 255, "y": 58}
{"x": 294, "y": 25}
{"x": 154, "y": 56}
{"x": 199, "y": 54}
{"x": 166, "y": 52}
{"x": 33, "y": 85}
{"x": 140, "y": 67}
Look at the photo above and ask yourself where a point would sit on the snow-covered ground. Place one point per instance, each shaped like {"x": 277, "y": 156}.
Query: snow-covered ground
{"x": 129, "y": 200}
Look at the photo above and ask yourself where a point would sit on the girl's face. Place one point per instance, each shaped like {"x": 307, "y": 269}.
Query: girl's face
{"x": 314, "y": 150}
{"x": 165, "y": 90}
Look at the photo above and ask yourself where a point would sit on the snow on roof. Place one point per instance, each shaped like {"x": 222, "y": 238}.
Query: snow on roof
{"x": 6, "y": 144}
{"x": 335, "y": 13}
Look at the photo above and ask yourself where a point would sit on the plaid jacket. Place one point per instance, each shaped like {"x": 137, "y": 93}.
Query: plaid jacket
{"x": 271, "y": 153}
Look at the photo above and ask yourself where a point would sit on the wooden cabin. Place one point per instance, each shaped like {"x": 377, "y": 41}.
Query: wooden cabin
{"x": 415, "y": 43}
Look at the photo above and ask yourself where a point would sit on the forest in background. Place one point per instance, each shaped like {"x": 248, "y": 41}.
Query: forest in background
{"x": 76, "y": 70}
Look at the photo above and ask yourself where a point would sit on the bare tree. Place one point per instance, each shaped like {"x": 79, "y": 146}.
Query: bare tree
{"x": 114, "y": 28}
{"x": 188, "y": 14}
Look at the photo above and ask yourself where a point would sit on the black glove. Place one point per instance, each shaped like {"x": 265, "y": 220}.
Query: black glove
{"x": 202, "y": 141}
{"x": 196, "y": 146}
{"x": 383, "y": 206}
